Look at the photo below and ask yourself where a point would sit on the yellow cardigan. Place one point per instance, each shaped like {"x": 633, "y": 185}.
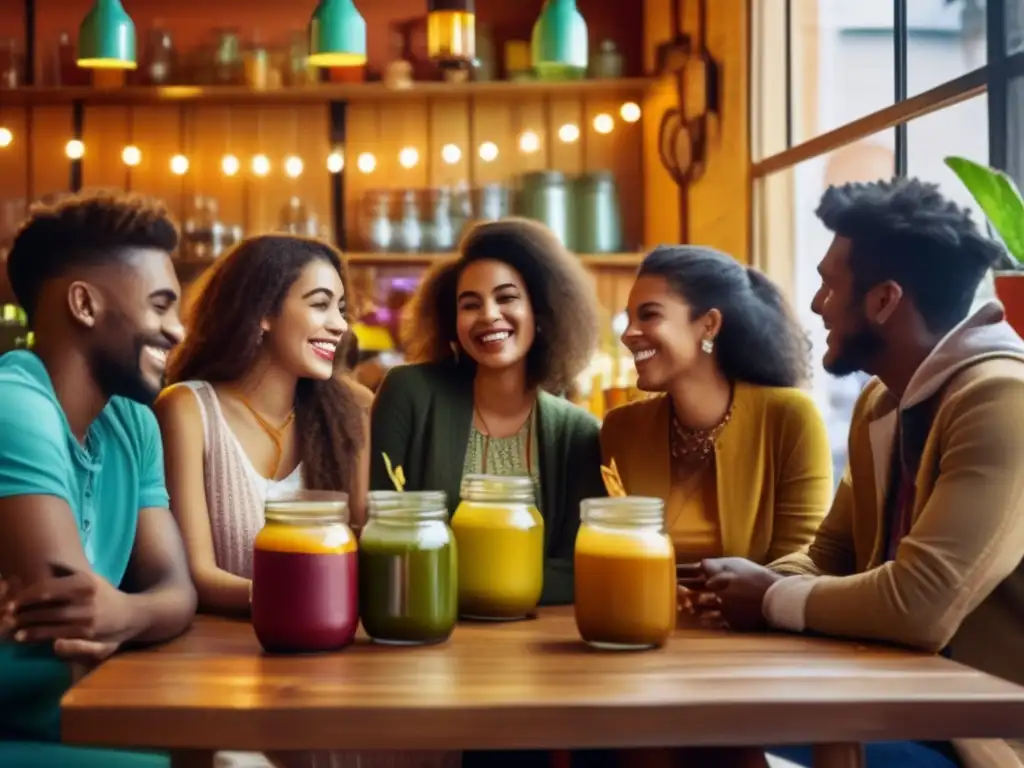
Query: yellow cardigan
{"x": 773, "y": 466}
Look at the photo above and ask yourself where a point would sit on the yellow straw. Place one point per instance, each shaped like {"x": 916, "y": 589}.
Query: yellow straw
{"x": 396, "y": 474}
{"x": 612, "y": 480}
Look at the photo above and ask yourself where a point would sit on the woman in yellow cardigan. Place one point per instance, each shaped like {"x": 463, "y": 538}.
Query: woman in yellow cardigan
{"x": 737, "y": 451}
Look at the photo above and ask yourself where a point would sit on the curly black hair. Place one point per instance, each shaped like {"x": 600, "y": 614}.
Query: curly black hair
{"x": 760, "y": 341}
{"x": 245, "y": 285}
{"x": 904, "y": 230}
{"x": 91, "y": 228}
{"x": 563, "y": 302}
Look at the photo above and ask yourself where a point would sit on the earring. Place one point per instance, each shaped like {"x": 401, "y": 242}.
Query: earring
{"x": 455, "y": 351}
{"x": 707, "y": 346}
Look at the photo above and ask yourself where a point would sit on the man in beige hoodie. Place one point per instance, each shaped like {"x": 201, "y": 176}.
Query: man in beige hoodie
{"x": 925, "y": 537}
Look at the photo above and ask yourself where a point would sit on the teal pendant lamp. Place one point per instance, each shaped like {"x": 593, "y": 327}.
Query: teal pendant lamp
{"x": 337, "y": 35}
{"x": 106, "y": 39}
{"x": 559, "y": 42}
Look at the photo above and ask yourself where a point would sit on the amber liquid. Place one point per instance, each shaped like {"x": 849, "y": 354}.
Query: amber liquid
{"x": 625, "y": 589}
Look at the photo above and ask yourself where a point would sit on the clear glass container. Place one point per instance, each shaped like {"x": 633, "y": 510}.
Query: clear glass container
{"x": 305, "y": 596}
{"x": 408, "y": 593}
{"x": 625, "y": 568}
{"x": 500, "y": 536}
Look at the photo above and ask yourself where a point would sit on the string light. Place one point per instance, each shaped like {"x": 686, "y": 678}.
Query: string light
{"x": 408, "y": 157}
{"x": 335, "y": 162}
{"x": 529, "y": 142}
{"x": 604, "y": 123}
{"x": 366, "y": 162}
{"x": 569, "y": 133}
{"x": 451, "y": 154}
{"x": 131, "y": 156}
{"x": 488, "y": 151}
{"x": 630, "y": 112}
{"x": 6, "y": 137}
{"x": 293, "y": 166}
{"x": 74, "y": 149}
{"x": 179, "y": 165}
{"x": 229, "y": 165}
{"x": 260, "y": 165}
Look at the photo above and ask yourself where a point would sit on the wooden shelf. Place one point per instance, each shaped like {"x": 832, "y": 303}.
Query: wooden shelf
{"x": 592, "y": 261}
{"x": 634, "y": 88}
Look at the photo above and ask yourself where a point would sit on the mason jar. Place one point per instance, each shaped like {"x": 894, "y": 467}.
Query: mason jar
{"x": 500, "y": 537}
{"x": 625, "y": 567}
{"x": 408, "y": 592}
{"x": 305, "y": 595}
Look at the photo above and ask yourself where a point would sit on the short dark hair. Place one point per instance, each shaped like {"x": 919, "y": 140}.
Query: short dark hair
{"x": 904, "y": 230}
{"x": 760, "y": 341}
{"x": 91, "y": 228}
{"x": 563, "y": 302}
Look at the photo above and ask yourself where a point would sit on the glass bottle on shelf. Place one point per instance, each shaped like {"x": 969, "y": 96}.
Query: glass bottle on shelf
{"x": 439, "y": 234}
{"x": 227, "y": 58}
{"x": 377, "y": 230}
{"x": 409, "y": 233}
{"x": 10, "y": 63}
{"x": 158, "y": 68}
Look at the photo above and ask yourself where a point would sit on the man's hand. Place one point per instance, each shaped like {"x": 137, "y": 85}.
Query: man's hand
{"x": 732, "y": 587}
{"x": 7, "y": 590}
{"x": 72, "y": 605}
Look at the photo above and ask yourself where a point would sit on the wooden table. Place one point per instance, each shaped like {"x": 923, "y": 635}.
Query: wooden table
{"x": 532, "y": 684}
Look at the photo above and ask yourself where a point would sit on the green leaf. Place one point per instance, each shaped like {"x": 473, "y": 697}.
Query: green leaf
{"x": 998, "y": 198}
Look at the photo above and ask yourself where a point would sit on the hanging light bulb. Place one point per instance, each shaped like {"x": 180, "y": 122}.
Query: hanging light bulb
{"x": 451, "y": 31}
{"x": 293, "y": 166}
{"x": 408, "y": 157}
{"x": 529, "y": 142}
{"x": 6, "y": 137}
{"x": 451, "y": 154}
{"x": 630, "y": 112}
{"x": 229, "y": 165}
{"x": 131, "y": 156}
{"x": 488, "y": 151}
{"x": 569, "y": 133}
{"x": 106, "y": 38}
{"x": 260, "y": 165}
{"x": 366, "y": 162}
{"x": 604, "y": 123}
{"x": 335, "y": 162}
{"x": 179, "y": 165}
{"x": 74, "y": 149}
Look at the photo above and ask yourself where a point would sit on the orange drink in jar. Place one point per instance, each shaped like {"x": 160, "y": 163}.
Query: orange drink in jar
{"x": 625, "y": 574}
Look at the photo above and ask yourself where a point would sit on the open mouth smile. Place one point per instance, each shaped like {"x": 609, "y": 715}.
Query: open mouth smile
{"x": 324, "y": 348}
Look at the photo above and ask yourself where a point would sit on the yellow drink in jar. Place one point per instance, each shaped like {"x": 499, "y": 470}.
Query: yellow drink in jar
{"x": 500, "y": 536}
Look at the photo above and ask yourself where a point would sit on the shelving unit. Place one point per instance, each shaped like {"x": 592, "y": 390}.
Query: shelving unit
{"x": 604, "y": 261}
{"x": 634, "y": 88}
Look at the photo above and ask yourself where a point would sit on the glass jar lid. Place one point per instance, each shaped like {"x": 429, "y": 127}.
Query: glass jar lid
{"x": 640, "y": 511}
{"x": 407, "y": 505}
{"x": 308, "y": 508}
{"x": 516, "y": 488}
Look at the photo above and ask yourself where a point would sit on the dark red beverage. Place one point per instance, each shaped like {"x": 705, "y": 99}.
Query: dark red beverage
{"x": 304, "y": 602}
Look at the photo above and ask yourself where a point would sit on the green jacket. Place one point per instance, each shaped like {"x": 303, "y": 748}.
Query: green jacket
{"x": 422, "y": 417}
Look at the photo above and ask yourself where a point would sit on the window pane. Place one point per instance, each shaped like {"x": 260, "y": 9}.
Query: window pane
{"x": 958, "y": 130}
{"x": 790, "y": 241}
{"x": 945, "y": 39}
{"x": 1014, "y": 21}
{"x": 843, "y": 62}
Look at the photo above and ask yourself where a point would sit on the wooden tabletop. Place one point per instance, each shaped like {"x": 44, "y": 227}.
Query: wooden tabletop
{"x": 530, "y": 684}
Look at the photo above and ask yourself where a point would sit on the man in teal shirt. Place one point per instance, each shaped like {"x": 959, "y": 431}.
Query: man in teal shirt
{"x": 88, "y": 542}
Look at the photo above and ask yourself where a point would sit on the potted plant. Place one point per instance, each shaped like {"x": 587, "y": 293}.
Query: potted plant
{"x": 1001, "y": 202}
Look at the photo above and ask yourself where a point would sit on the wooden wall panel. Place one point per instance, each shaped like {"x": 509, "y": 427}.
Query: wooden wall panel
{"x": 449, "y": 124}
{"x": 106, "y": 131}
{"x": 565, "y": 156}
{"x": 407, "y": 126}
{"x": 529, "y": 114}
{"x": 157, "y": 132}
{"x": 14, "y": 171}
{"x": 48, "y": 165}
{"x": 363, "y": 129}
{"x": 314, "y": 186}
{"x": 210, "y": 132}
{"x": 491, "y": 121}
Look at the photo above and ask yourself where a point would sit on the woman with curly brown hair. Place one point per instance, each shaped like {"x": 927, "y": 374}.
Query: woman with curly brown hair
{"x": 495, "y": 335}
{"x": 254, "y": 385}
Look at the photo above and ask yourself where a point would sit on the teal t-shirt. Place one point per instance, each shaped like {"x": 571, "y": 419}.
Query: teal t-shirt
{"x": 105, "y": 482}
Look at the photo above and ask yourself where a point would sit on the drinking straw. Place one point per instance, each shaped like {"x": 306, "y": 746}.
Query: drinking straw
{"x": 396, "y": 474}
